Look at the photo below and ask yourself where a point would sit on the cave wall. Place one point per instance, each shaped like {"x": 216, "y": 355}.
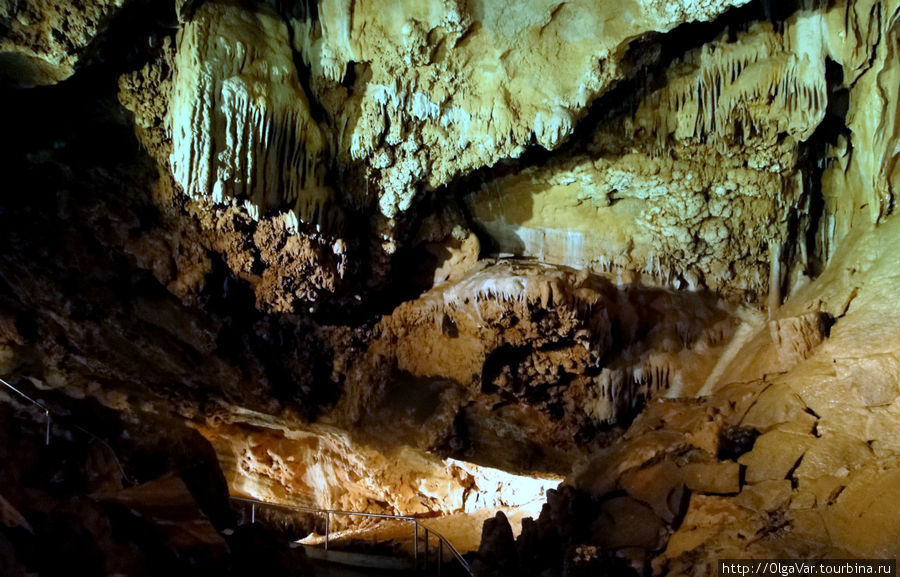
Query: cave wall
{"x": 392, "y": 257}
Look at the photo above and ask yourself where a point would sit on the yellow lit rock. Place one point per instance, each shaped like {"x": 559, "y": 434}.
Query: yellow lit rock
{"x": 240, "y": 121}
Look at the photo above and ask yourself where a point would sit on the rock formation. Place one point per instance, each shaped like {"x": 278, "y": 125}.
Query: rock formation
{"x": 453, "y": 259}
{"x": 44, "y": 41}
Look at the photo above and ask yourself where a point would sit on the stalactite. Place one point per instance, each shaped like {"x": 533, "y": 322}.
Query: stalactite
{"x": 714, "y": 95}
{"x": 241, "y": 125}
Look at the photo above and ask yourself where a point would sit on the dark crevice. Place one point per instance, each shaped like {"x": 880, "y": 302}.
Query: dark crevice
{"x": 734, "y": 441}
{"x": 258, "y": 344}
{"x": 826, "y": 323}
{"x": 811, "y": 412}
{"x": 833, "y": 497}
{"x": 502, "y": 362}
{"x": 299, "y": 9}
{"x": 458, "y": 442}
{"x": 132, "y": 38}
{"x": 349, "y": 79}
{"x": 805, "y": 222}
{"x": 790, "y": 474}
{"x": 316, "y": 110}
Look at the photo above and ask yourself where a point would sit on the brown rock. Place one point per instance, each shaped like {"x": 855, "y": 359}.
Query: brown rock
{"x": 659, "y": 486}
{"x": 626, "y": 522}
{"x": 765, "y": 496}
{"x": 775, "y": 455}
{"x": 863, "y": 518}
{"x": 723, "y": 477}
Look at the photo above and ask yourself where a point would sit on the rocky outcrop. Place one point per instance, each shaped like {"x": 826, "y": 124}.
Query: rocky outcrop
{"x": 781, "y": 460}
{"x": 72, "y": 503}
{"x": 324, "y": 467}
{"x": 398, "y": 111}
{"x": 44, "y": 40}
{"x": 683, "y": 182}
{"x": 518, "y": 351}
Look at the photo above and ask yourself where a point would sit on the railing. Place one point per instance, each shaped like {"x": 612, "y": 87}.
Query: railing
{"x": 36, "y": 404}
{"x": 71, "y": 425}
{"x": 442, "y": 542}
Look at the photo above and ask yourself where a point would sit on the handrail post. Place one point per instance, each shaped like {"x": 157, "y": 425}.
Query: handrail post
{"x": 417, "y": 535}
{"x": 36, "y": 404}
{"x": 252, "y": 513}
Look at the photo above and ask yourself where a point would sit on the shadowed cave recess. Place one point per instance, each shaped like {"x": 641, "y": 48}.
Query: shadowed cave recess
{"x": 587, "y": 287}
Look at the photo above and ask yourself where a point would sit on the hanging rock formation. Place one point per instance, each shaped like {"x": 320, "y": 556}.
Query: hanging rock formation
{"x": 443, "y": 87}
{"x": 241, "y": 125}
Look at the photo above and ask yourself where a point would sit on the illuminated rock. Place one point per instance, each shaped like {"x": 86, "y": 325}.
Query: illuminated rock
{"x": 240, "y": 121}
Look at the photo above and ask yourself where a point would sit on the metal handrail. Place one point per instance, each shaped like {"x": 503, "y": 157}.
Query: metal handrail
{"x": 36, "y": 404}
{"x": 48, "y": 414}
{"x": 456, "y": 554}
{"x": 442, "y": 541}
